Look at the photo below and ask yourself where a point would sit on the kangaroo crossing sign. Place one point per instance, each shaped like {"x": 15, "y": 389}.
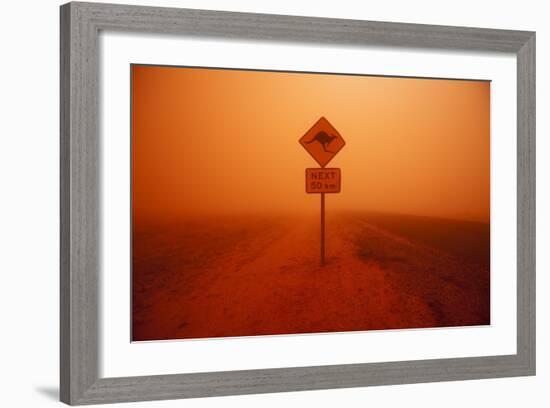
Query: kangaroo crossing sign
{"x": 322, "y": 141}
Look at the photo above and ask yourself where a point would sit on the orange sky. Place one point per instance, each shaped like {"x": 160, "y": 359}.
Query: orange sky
{"x": 210, "y": 140}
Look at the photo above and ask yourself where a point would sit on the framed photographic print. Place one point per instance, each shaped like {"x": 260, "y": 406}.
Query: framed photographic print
{"x": 261, "y": 203}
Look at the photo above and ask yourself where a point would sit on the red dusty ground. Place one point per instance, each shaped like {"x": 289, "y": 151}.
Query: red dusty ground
{"x": 244, "y": 276}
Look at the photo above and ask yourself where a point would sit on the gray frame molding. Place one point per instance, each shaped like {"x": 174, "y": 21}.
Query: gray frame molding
{"x": 80, "y": 158}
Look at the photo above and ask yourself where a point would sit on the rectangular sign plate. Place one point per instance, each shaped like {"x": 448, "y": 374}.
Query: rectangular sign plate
{"x": 321, "y": 180}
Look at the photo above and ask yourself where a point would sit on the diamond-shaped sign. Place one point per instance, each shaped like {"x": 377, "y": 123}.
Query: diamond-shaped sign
{"x": 322, "y": 141}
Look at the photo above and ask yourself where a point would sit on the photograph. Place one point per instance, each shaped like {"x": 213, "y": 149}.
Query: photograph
{"x": 284, "y": 203}
{"x": 275, "y": 204}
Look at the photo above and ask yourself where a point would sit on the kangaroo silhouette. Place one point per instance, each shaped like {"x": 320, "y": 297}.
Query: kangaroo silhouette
{"x": 324, "y": 139}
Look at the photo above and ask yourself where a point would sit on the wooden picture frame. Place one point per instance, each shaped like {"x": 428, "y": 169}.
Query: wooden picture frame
{"x": 80, "y": 234}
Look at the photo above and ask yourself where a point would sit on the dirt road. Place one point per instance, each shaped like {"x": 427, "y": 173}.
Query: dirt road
{"x": 255, "y": 276}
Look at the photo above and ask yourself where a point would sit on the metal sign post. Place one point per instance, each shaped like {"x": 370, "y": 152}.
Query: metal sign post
{"x": 322, "y": 229}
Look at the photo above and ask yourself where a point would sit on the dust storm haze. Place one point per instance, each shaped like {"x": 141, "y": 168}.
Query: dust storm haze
{"x": 212, "y": 141}
{"x": 226, "y": 242}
